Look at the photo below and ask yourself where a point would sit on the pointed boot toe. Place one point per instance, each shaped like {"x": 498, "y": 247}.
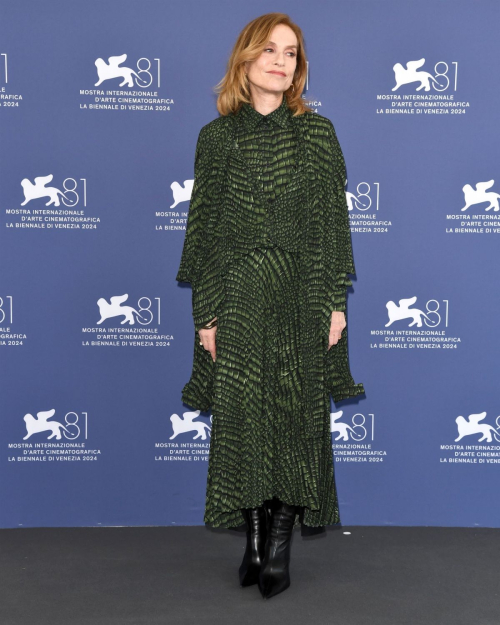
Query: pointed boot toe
{"x": 274, "y": 576}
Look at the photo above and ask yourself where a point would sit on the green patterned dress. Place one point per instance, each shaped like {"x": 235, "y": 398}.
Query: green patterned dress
{"x": 259, "y": 447}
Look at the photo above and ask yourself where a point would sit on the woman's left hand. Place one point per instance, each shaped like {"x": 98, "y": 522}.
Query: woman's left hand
{"x": 338, "y": 323}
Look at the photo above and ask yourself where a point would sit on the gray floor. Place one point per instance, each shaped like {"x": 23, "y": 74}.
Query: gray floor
{"x": 153, "y": 575}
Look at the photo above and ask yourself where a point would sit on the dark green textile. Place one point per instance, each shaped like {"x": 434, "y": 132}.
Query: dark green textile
{"x": 269, "y": 144}
{"x": 268, "y": 251}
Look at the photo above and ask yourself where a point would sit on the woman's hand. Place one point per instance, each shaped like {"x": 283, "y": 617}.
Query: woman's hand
{"x": 338, "y": 323}
{"x": 207, "y": 338}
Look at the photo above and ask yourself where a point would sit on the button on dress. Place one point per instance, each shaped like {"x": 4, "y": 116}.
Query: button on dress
{"x": 259, "y": 447}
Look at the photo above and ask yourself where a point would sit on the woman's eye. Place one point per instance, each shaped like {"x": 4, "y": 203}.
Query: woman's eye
{"x": 292, "y": 53}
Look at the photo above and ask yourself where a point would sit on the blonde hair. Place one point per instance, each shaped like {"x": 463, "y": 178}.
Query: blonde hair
{"x": 234, "y": 89}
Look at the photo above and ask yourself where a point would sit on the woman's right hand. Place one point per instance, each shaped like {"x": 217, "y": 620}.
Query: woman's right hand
{"x": 207, "y": 338}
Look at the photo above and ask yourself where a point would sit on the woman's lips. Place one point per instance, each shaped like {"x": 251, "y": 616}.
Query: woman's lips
{"x": 277, "y": 74}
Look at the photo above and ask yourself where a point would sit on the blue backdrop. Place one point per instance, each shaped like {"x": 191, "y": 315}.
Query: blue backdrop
{"x": 96, "y": 335}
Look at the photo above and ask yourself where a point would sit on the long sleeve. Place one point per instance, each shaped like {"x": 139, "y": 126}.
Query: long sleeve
{"x": 339, "y": 293}
{"x": 198, "y": 264}
{"x": 337, "y": 251}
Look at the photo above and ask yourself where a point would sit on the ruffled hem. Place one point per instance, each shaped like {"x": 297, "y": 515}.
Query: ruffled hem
{"x": 235, "y": 521}
{"x": 344, "y": 392}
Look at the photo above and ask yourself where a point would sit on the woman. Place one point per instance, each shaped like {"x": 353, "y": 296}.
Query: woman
{"x": 267, "y": 252}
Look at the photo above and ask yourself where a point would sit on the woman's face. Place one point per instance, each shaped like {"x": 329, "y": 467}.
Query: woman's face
{"x": 273, "y": 70}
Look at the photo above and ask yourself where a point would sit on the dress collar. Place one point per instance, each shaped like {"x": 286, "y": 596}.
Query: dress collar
{"x": 251, "y": 118}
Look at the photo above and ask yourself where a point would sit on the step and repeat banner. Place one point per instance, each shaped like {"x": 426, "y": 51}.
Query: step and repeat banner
{"x": 101, "y": 104}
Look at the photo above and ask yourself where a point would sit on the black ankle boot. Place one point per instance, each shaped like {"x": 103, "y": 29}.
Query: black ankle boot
{"x": 274, "y": 574}
{"x": 257, "y": 521}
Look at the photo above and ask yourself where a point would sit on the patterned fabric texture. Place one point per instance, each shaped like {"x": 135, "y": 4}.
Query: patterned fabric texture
{"x": 268, "y": 252}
